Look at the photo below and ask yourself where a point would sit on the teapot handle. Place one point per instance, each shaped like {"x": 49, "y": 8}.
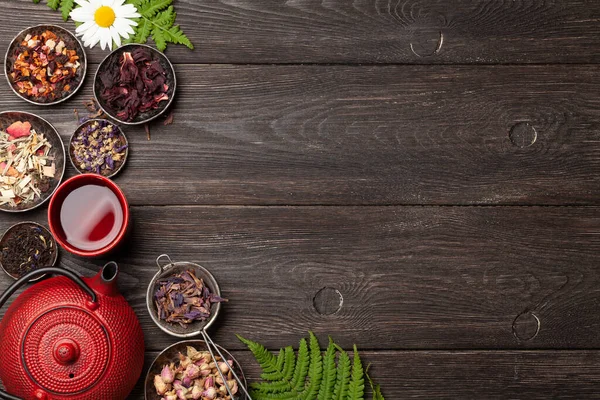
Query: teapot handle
{"x": 34, "y": 274}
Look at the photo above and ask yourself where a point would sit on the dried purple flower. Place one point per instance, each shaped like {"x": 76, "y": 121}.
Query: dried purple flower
{"x": 183, "y": 298}
{"x": 98, "y": 146}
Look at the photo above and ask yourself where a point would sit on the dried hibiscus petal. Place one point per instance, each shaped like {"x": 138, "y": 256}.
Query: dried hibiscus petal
{"x": 133, "y": 83}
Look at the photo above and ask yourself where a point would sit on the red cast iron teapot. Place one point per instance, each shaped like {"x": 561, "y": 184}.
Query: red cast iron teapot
{"x": 70, "y": 338}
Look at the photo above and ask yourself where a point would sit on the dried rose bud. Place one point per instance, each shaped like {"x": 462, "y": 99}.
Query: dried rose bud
{"x": 160, "y": 386}
{"x": 181, "y": 393}
{"x": 232, "y": 386}
{"x": 196, "y": 392}
{"x": 167, "y": 374}
{"x": 171, "y": 397}
{"x": 192, "y": 371}
{"x": 186, "y": 382}
{"x": 224, "y": 367}
{"x": 210, "y": 393}
{"x": 209, "y": 382}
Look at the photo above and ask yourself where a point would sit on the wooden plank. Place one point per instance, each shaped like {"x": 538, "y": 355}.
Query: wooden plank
{"x": 469, "y": 375}
{"x": 369, "y": 31}
{"x": 366, "y": 135}
{"x": 409, "y": 277}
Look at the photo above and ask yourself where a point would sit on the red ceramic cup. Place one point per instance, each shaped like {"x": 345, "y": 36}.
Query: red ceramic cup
{"x": 54, "y": 210}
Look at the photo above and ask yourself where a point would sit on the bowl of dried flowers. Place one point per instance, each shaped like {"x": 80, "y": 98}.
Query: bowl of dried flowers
{"x": 32, "y": 161}
{"x": 45, "y": 64}
{"x": 183, "y": 298}
{"x": 135, "y": 84}
{"x": 186, "y": 370}
{"x": 98, "y": 146}
{"x": 25, "y": 247}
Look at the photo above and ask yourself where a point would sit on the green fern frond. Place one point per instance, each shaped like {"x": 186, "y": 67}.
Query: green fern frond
{"x": 375, "y": 389}
{"x": 356, "y": 389}
{"x": 302, "y": 363}
{"x": 329, "y": 373}
{"x": 158, "y": 21}
{"x": 309, "y": 375}
{"x": 315, "y": 370}
{"x": 149, "y": 8}
{"x": 340, "y": 391}
{"x": 65, "y": 8}
{"x": 54, "y": 4}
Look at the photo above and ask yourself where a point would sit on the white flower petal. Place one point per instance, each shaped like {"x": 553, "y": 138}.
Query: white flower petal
{"x": 124, "y": 29}
{"x": 105, "y": 38}
{"x": 91, "y": 32}
{"x": 81, "y": 14}
{"x": 108, "y": 3}
{"x": 92, "y": 41}
{"x": 81, "y": 29}
{"x": 83, "y": 3}
{"x": 114, "y": 33}
{"x": 127, "y": 11}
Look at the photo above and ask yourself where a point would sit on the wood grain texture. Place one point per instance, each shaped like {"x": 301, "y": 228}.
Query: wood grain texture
{"x": 366, "y": 135}
{"x": 410, "y": 277}
{"x": 368, "y": 31}
{"x": 471, "y": 374}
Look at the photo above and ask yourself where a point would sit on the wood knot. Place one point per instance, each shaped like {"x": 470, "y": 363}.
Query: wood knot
{"x": 427, "y": 38}
{"x": 526, "y": 326}
{"x": 523, "y": 135}
{"x": 328, "y": 301}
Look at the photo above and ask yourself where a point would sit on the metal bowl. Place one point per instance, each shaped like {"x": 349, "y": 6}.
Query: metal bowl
{"x": 148, "y": 116}
{"x": 71, "y": 42}
{"x": 6, "y": 235}
{"x": 195, "y": 328}
{"x": 85, "y": 125}
{"x": 169, "y": 355}
{"x": 41, "y": 126}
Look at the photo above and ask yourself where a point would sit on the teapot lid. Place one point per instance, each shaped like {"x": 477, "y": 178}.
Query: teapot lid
{"x": 66, "y": 350}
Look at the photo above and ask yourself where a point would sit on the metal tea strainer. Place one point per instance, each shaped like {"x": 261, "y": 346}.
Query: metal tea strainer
{"x": 167, "y": 267}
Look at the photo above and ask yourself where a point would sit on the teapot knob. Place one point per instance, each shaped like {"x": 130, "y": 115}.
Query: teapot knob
{"x": 66, "y": 351}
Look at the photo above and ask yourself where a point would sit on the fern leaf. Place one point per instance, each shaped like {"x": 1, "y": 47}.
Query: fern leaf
{"x": 302, "y": 364}
{"x": 66, "y": 6}
{"x": 329, "y": 373}
{"x": 315, "y": 371}
{"x": 290, "y": 363}
{"x": 343, "y": 376}
{"x": 142, "y": 31}
{"x": 273, "y": 369}
{"x": 149, "y": 8}
{"x": 271, "y": 376}
{"x": 356, "y": 388}
{"x": 54, "y": 4}
{"x": 375, "y": 389}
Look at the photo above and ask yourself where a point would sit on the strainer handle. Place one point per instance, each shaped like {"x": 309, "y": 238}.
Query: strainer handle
{"x": 210, "y": 345}
{"x": 34, "y": 274}
{"x": 161, "y": 267}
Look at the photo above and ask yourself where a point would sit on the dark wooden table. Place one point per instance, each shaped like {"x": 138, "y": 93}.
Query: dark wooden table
{"x": 434, "y": 162}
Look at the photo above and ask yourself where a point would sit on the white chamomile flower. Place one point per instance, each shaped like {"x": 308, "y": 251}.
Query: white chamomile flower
{"x": 104, "y": 21}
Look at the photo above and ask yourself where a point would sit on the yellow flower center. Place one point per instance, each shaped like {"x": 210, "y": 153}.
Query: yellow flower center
{"x": 104, "y": 16}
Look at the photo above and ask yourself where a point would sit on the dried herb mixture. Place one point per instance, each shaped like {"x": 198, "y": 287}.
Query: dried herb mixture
{"x": 26, "y": 248}
{"x": 183, "y": 298}
{"x": 98, "y": 146}
{"x": 26, "y": 164}
{"x": 133, "y": 83}
{"x": 195, "y": 376}
{"x": 44, "y": 69}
